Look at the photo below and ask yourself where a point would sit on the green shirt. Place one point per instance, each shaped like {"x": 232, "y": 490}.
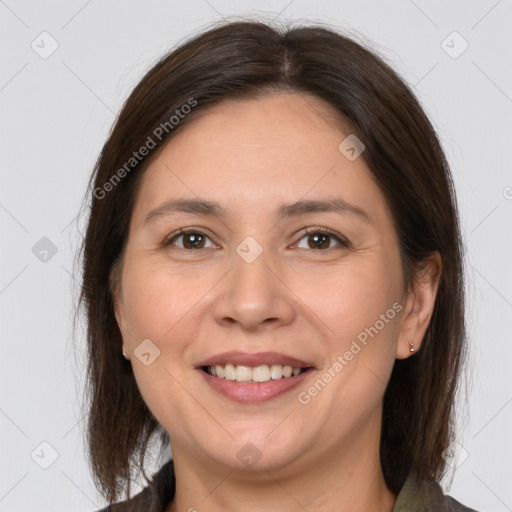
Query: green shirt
{"x": 413, "y": 497}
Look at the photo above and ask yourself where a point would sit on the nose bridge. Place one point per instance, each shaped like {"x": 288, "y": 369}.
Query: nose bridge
{"x": 252, "y": 293}
{"x": 252, "y": 265}
{"x": 252, "y": 281}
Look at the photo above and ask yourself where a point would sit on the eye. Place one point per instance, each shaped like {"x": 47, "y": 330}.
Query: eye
{"x": 192, "y": 239}
{"x": 320, "y": 238}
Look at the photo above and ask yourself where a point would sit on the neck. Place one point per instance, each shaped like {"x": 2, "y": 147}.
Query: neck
{"x": 344, "y": 478}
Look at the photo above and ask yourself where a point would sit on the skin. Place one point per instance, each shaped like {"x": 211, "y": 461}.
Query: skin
{"x": 310, "y": 303}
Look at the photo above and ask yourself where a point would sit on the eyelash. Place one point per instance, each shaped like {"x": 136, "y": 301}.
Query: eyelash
{"x": 308, "y": 231}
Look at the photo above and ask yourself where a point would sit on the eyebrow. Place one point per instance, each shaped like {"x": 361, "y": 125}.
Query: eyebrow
{"x": 212, "y": 208}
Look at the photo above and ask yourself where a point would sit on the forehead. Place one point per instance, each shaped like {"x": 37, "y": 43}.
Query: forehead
{"x": 272, "y": 119}
{"x": 252, "y": 153}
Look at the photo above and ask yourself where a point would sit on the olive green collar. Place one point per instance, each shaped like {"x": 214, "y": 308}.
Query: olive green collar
{"x": 423, "y": 496}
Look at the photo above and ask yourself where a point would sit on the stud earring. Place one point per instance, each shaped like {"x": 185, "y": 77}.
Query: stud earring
{"x": 125, "y": 356}
{"x": 412, "y": 346}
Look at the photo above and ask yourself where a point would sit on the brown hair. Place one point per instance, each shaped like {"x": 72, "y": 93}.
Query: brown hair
{"x": 245, "y": 59}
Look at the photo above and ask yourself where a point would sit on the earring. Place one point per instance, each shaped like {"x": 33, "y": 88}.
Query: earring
{"x": 125, "y": 356}
{"x": 412, "y": 346}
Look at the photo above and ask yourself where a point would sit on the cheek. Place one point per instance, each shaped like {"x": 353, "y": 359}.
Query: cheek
{"x": 361, "y": 309}
{"x": 155, "y": 300}
{"x": 354, "y": 298}
{"x": 159, "y": 307}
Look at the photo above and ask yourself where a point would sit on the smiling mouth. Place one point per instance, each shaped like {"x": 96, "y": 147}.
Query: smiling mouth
{"x": 256, "y": 374}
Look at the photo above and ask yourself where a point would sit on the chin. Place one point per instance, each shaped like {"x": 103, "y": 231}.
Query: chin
{"x": 256, "y": 453}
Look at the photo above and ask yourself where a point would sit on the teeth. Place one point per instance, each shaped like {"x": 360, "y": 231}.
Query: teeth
{"x": 243, "y": 373}
{"x": 276, "y": 371}
{"x": 229, "y": 372}
{"x": 262, "y": 373}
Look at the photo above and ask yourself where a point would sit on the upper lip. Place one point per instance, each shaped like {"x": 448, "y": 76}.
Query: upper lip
{"x": 257, "y": 359}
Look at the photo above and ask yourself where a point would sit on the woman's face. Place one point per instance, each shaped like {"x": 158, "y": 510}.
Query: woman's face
{"x": 247, "y": 278}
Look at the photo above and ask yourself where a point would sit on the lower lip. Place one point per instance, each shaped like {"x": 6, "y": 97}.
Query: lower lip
{"x": 247, "y": 392}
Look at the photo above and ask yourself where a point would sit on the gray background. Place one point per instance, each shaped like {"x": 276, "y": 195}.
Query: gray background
{"x": 56, "y": 111}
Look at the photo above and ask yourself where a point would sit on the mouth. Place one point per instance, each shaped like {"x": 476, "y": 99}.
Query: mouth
{"x": 244, "y": 377}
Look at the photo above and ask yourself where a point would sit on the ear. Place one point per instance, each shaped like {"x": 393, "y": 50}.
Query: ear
{"x": 420, "y": 306}
{"x": 119, "y": 312}
{"x": 117, "y": 299}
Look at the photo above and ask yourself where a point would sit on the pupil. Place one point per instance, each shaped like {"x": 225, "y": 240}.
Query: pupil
{"x": 192, "y": 237}
{"x": 316, "y": 238}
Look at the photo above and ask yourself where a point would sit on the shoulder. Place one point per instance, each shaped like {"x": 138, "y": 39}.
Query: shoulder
{"x": 426, "y": 496}
{"x": 139, "y": 503}
{"x": 154, "y": 497}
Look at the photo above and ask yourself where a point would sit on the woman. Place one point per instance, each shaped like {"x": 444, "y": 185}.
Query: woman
{"x": 273, "y": 282}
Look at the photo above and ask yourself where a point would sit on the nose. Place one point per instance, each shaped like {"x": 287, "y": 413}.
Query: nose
{"x": 254, "y": 296}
